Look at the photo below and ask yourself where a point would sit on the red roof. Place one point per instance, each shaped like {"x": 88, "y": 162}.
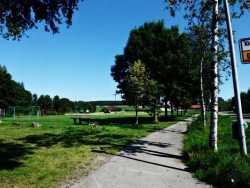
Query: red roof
{"x": 196, "y": 106}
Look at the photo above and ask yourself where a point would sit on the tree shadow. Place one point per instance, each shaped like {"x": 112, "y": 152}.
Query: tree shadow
{"x": 140, "y": 147}
{"x": 71, "y": 137}
{"x": 173, "y": 131}
{"x": 11, "y": 155}
{"x": 154, "y": 163}
{"x": 95, "y": 136}
{"x": 116, "y": 120}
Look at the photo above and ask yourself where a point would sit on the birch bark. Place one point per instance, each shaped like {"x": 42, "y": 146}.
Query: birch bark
{"x": 215, "y": 80}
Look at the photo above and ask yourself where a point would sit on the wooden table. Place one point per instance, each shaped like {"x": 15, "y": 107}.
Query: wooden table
{"x": 81, "y": 120}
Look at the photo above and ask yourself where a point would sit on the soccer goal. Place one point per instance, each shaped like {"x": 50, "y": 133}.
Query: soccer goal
{"x": 22, "y": 111}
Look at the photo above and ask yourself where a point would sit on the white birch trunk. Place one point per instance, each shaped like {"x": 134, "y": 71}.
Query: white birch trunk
{"x": 215, "y": 80}
{"x": 203, "y": 106}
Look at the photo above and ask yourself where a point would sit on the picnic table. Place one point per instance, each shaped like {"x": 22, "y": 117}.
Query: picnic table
{"x": 82, "y": 120}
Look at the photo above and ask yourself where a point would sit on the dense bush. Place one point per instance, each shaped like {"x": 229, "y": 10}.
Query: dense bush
{"x": 52, "y": 113}
{"x": 106, "y": 110}
{"x": 226, "y": 168}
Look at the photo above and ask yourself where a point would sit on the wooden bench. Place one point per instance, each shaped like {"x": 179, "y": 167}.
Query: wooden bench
{"x": 81, "y": 121}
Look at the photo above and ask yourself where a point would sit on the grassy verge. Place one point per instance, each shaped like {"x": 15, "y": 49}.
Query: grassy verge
{"x": 226, "y": 168}
{"x": 49, "y": 155}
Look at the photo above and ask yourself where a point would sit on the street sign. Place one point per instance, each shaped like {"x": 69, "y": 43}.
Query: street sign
{"x": 245, "y": 50}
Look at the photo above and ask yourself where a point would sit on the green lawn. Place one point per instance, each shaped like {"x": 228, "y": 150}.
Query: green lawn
{"x": 47, "y": 156}
{"x": 226, "y": 168}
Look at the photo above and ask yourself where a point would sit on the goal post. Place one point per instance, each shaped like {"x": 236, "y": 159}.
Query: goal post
{"x": 22, "y": 111}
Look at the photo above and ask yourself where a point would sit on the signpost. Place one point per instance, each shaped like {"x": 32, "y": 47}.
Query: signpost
{"x": 245, "y": 50}
{"x": 240, "y": 119}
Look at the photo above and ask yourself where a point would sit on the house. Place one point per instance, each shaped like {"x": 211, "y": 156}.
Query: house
{"x": 196, "y": 106}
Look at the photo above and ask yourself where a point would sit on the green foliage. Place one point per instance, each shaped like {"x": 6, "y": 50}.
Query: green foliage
{"x": 245, "y": 97}
{"x": 106, "y": 110}
{"x": 225, "y": 105}
{"x": 167, "y": 57}
{"x": 45, "y": 103}
{"x": 227, "y": 168}
{"x": 135, "y": 81}
{"x": 19, "y": 16}
{"x": 11, "y": 92}
{"x": 245, "y": 100}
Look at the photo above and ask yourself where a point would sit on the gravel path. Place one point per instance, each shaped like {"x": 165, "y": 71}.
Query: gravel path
{"x": 152, "y": 162}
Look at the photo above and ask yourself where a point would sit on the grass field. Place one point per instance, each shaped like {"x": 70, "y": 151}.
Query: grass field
{"x": 226, "y": 168}
{"x": 49, "y": 155}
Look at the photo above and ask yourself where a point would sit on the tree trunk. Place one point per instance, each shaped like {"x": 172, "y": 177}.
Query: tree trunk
{"x": 203, "y": 107}
{"x": 185, "y": 111}
{"x": 156, "y": 120}
{"x": 215, "y": 80}
{"x": 177, "y": 111}
{"x": 172, "y": 109}
{"x": 136, "y": 115}
{"x": 166, "y": 109}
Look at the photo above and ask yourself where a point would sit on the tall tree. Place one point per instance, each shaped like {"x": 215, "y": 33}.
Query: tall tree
{"x": 34, "y": 99}
{"x": 45, "y": 103}
{"x": 167, "y": 56}
{"x": 56, "y": 103}
{"x": 12, "y": 93}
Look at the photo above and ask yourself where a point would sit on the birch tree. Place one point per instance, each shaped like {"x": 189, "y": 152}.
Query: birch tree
{"x": 213, "y": 143}
{"x": 201, "y": 45}
{"x": 211, "y": 13}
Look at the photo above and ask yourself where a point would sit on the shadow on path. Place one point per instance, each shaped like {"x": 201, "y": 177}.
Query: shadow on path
{"x": 157, "y": 164}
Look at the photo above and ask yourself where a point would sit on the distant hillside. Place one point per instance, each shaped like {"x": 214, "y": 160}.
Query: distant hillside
{"x": 107, "y": 103}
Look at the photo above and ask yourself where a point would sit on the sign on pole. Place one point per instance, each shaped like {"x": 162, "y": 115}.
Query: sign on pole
{"x": 242, "y": 140}
{"x": 245, "y": 50}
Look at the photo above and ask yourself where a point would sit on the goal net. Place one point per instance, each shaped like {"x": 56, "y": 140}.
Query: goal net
{"x": 20, "y": 111}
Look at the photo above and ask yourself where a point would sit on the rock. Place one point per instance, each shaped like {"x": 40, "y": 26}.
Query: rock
{"x": 36, "y": 125}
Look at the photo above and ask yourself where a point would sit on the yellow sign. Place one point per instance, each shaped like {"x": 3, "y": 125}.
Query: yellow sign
{"x": 245, "y": 50}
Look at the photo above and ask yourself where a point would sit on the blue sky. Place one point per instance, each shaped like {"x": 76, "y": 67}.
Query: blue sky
{"x": 76, "y": 63}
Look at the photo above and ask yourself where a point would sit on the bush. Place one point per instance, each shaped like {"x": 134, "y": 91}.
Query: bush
{"x": 106, "y": 110}
{"x": 226, "y": 168}
{"x": 52, "y": 113}
{"x": 109, "y": 109}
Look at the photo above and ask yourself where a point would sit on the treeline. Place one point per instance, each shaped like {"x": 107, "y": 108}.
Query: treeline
{"x": 14, "y": 95}
{"x": 229, "y": 105}
{"x": 107, "y": 103}
{"x": 57, "y": 105}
